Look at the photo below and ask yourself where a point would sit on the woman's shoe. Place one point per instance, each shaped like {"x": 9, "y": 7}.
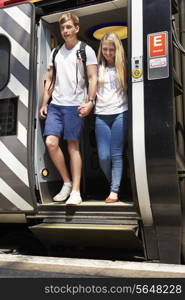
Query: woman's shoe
{"x": 110, "y": 200}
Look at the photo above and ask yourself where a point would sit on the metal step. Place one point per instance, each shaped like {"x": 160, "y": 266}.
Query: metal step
{"x": 88, "y": 206}
{"x": 101, "y": 235}
{"x": 88, "y": 212}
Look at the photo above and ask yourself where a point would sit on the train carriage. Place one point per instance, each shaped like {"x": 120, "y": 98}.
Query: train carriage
{"x": 150, "y": 216}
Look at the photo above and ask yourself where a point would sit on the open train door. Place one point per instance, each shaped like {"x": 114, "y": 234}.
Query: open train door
{"x": 17, "y": 108}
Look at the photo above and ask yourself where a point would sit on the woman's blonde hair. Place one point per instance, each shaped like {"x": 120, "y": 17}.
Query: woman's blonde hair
{"x": 120, "y": 63}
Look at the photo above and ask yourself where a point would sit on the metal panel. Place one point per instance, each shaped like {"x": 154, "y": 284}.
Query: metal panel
{"x": 160, "y": 140}
{"x": 87, "y": 9}
{"x": 16, "y": 192}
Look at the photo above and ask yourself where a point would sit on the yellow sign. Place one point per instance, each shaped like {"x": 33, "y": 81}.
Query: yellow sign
{"x": 137, "y": 73}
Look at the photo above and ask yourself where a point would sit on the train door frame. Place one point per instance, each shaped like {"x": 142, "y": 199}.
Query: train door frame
{"x": 43, "y": 34}
{"x": 44, "y": 168}
{"x": 139, "y": 180}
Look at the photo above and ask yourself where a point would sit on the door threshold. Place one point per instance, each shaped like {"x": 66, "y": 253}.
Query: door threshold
{"x": 90, "y": 203}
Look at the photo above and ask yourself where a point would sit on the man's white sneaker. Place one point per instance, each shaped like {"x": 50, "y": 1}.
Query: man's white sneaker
{"x": 63, "y": 194}
{"x": 74, "y": 198}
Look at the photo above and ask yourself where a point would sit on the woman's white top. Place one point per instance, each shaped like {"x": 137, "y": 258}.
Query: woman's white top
{"x": 111, "y": 97}
{"x": 70, "y": 86}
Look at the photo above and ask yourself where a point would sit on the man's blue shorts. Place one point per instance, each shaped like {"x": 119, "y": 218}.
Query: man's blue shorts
{"x": 63, "y": 121}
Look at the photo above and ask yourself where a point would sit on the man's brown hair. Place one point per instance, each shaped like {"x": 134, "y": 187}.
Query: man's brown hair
{"x": 69, "y": 16}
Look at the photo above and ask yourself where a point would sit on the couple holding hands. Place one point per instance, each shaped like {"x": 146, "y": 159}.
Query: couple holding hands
{"x": 65, "y": 113}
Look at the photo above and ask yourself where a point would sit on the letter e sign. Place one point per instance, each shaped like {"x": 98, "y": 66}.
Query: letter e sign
{"x": 158, "y": 44}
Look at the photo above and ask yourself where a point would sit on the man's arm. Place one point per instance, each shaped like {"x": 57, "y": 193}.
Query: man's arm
{"x": 46, "y": 94}
{"x": 86, "y": 108}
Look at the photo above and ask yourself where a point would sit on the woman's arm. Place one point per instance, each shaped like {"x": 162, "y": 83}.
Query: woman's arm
{"x": 86, "y": 108}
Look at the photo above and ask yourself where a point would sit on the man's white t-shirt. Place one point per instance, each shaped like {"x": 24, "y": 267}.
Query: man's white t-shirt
{"x": 111, "y": 98}
{"x": 70, "y": 86}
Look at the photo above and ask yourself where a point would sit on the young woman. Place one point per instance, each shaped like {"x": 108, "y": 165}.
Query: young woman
{"x": 111, "y": 111}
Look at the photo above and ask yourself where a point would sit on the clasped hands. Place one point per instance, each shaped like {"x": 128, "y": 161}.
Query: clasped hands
{"x": 85, "y": 108}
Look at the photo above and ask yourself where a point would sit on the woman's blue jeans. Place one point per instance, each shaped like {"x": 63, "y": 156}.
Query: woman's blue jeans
{"x": 111, "y": 133}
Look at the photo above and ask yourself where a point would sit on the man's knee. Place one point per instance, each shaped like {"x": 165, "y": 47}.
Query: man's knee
{"x": 52, "y": 142}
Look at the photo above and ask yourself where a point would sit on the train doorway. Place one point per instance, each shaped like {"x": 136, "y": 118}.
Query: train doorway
{"x": 94, "y": 185}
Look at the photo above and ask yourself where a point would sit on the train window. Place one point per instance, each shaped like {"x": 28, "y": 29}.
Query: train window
{"x": 8, "y": 116}
{"x": 4, "y": 61}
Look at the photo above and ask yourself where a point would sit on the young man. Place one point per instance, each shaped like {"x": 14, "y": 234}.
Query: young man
{"x": 69, "y": 104}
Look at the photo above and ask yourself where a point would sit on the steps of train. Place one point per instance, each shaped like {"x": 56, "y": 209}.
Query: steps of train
{"x": 101, "y": 235}
{"x": 88, "y": 212}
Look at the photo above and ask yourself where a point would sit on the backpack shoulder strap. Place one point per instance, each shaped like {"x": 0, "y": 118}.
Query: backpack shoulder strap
{"x": 84, "y": 59}
{"x": 82, "y": 51}
{"x": 54, "y": 68}
{"x": 55, "y": 53}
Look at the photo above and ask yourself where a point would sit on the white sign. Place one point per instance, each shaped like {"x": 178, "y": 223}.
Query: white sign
{"x": 158, "y": 62}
